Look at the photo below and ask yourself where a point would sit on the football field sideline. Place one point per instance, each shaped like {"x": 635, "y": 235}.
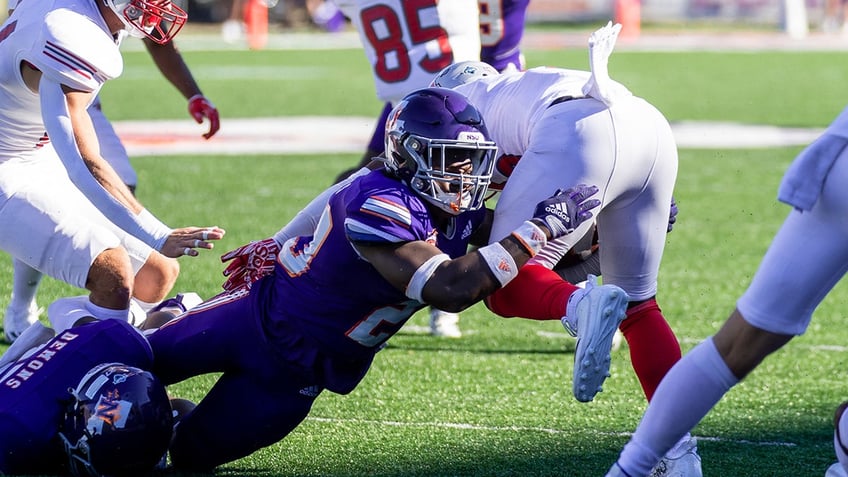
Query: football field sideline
{"x": 323, "y": 134}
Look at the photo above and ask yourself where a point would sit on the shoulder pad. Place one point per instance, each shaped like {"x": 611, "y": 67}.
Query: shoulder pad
{"x": 75, "y": 51}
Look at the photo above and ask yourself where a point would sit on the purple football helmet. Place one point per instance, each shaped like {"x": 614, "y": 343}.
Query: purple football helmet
{"x": 437, "y": 142}
{"x": 119, "y": 423}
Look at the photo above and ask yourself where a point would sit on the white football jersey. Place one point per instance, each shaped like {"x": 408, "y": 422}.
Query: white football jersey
{"x": 70, "y": 46}
{"x": 408, "y": 43}
{"x": 521, "y": 98}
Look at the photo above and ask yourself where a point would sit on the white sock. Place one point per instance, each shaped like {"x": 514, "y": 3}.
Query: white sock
{"x": 687, "y": 393}
{"x": 65, "y": 312}
{"x": 145, "y": 306}
{"x": 25, "y": 280}
{"x": 107, "y": 313}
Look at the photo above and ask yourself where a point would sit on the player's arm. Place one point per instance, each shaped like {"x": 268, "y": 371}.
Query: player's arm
{"x": 174, "y": 68}
{"x": 424, "y": 273}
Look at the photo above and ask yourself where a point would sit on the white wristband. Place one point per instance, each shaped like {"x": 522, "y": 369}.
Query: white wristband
{"x": 416, "y": 284}
{"x": 159, "y": 231}
{"x": 531, "y": 237}
{"x": 499, "y": 261}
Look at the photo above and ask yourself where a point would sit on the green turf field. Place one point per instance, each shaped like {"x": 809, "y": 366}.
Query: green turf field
{"x": 498, "y": 401}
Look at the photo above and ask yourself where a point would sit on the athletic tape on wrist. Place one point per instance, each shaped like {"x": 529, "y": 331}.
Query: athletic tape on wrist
{"x": 154, "y": 227}
{"x": 424, "y": 272}
{"x": 499, "y": 261}
{"x": 531, "y": 237}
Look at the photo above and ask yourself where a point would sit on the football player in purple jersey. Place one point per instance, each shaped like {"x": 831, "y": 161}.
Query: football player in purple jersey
{"x": 82, "y": 402}
{"x": 310, "y": 314}
{"x": 501, "y": 27}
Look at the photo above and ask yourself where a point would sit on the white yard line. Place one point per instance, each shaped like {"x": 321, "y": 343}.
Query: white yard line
{"x": 321, "y": 135}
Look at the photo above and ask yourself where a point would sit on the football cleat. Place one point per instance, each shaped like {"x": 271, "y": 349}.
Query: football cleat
{"x": 444, "y": 324}
{"x": 682, "y": 461}
{"x": 16, "y": 321}
{"x": 33, "y": 336}
{"x": 593, "y": 315}
{"x": 836, "y": 470}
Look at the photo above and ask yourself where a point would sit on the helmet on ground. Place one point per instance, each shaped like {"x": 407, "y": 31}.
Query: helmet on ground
{"x": 158, "y": 20}
{"x": 463, "y": 72}
{"x": 437, "y": 143}
{"x": 119, "y": 423}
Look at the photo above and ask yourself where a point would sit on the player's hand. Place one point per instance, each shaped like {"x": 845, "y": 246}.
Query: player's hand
{"x": 187, "y": 240}
{"x": 199, "y": 107}
{"x": 566, "y": 210}
{"x": 249, "y": 263}
{"x": 672, "y": 214}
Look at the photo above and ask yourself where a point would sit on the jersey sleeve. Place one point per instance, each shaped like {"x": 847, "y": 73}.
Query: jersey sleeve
{"x": 74, "y": 51}
{"x": 386, "y": 216}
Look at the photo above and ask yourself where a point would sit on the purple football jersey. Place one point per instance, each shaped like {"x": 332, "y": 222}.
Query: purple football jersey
{"x": 328, "y": 292}
{"x": 34, "y": 391}
{"x": 501, "y": 30}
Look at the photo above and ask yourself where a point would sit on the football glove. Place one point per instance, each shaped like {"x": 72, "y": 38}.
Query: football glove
{"x": 249, "y": 263}
{"x": 199, "y": 107}
{"x": 672, "y": 214}
{"x": 567, "y": 209}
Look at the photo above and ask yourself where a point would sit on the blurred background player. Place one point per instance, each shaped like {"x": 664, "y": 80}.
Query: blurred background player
{"x": 570, "y": 127}
{"x": 83, "y": 402}
{"x": 406, "y": 48}
{"x": 23, "y": 309}
{"x": 332, "y": 299}
{"x": 65, "y": 211}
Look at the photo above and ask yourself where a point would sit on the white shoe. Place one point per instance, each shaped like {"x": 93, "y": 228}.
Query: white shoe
{"x": 34, "y": 335}
{"x": 593, "y": 314}
{"x": 180, "y": 304}
{"x": 683, "y": 461}
{"x": 615, "y": 471}
{"x": 444, "y": 324}
{"x": 16, "y": 321}
{"x": 836, "y": 470}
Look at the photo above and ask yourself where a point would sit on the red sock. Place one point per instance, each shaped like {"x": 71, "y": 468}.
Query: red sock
{"x": 653, "y": 347}
{"x": 536, "y": 293}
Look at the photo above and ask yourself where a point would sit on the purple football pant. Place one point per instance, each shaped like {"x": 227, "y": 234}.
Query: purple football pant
{"x": 257, "y": 401}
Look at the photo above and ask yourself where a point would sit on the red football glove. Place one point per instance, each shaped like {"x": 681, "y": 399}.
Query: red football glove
{"x": 249, "y": 263}
{"x": 199, "y": 107}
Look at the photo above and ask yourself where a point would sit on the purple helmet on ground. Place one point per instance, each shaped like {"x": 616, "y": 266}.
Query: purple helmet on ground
{"x": 119, "y": 423}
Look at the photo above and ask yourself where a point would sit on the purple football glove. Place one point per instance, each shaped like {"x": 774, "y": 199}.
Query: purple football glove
{"x": 672, "y": 214}
{"x": 567, "y": 209}
{"x": 249, "y": 263}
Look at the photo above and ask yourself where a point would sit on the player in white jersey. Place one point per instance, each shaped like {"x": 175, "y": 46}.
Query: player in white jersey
{"x": 64, "y": 210}
{"x": 776, "y": 307}
{"x": 407, "y": 43}
{"x": 571, "y": 127}
{"x": 23, "y": 309}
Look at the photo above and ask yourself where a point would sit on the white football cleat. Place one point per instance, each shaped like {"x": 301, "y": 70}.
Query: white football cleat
{"x": 593, "y": 315}
{"x": 444, "y": 324}
{"x": 16, "y": 321}
{"x": 682, "y": 461}
{"x": 836, "y": 470}
{"x": 34, "y": 335}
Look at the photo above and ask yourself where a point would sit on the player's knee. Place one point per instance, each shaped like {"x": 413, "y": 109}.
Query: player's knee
{"x": 156, "y": 278}
{"x": 110, "y": 278}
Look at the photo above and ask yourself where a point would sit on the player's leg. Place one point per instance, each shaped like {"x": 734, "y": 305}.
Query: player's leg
{"x": 23, "y": 309}
{"x": 240, "y": 415}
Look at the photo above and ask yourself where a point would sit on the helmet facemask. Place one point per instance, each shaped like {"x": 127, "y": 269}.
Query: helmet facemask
{"x": 158, "y": 20}
{"x": 453, "y": 175}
